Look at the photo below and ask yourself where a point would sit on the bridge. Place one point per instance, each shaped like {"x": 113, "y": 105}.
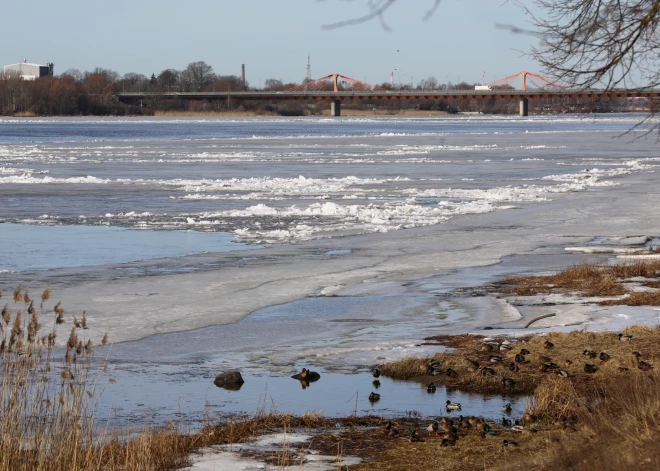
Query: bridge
{"x": 336, "y": 88}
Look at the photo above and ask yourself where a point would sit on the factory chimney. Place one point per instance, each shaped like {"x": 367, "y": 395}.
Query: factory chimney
{"x": 243, "y": 75}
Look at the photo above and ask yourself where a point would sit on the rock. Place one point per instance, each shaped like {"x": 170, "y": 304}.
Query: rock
{"x": 231, "y": 380}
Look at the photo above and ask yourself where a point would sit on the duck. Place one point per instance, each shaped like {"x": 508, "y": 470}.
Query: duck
{"x": 447, "y": 442}
{"x": 307, "y": 375}
{"x": 391, "y": 430}
{"x": 431, "y": 388}
{"x": 373, "y": 397}
{"x": 507, "y": 408}
{"x": 504, "y": 347}
{"x": 488, "y": 372}
{"x": 528, "y": 418}
{"x": 487, "y": 347}
{"x": 375, "y": 372}
{"x": 506, "y": 422}
{"x": 508, "y": 382}
{"x": 625, "y": 337}
{"x": 303, "y": 375}
{"x": 473, "y": 364}
{"x": 642, "y": 365}
{"x": 495, "y": 359}
{"x": 604, "y": 357}
{"x": 563, "y": 373}
{"x": 548, "y": 345}
{"x": 520, "y": 358}
{"x": 589, "y": 368}
{"x": 590, "y": 353}
{"x": 513, "y": 367}
{"x": 376, "y": 383}
{"x": 543, "y": 367}
{"x": 545, "y": 359}
{"x": 509, "y": 443}
{"x": 451, "y": 436}
{"x": 414, "y": 436}
{"x": 489, "y": 434}
{"x": 524, "y": 351}
{"x": 452, "y": 405}
{"x": 433, "y": 428}
{"x": 483, "y": 426}
{"x": 451, "y": 373}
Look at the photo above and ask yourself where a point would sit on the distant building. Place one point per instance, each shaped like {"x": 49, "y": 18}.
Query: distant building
{"x": 29, "y": 71}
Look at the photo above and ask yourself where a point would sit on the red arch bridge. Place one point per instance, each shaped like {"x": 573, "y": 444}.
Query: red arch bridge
{"x": 337, "y": 88}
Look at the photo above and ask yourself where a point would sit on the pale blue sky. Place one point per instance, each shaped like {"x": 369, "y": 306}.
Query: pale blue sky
{"x": 271, "y": 37}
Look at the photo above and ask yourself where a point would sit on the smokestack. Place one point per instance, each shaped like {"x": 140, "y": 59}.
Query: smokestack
{"x": 243, "y": 75}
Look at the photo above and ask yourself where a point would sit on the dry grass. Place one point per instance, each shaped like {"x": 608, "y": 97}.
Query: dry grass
{"x": 609, "y": 420}
{"x": 592, "y": 280}
{"x": 567, "y": 353}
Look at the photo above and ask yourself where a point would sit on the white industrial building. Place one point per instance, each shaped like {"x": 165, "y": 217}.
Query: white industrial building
{"x": 29, "y": 71}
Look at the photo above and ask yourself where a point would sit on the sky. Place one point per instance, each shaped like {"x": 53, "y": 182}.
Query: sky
{"x": 461, "y": 41}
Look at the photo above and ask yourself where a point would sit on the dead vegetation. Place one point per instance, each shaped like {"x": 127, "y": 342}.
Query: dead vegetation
{"x": 567, "y": 354}
{"x": 593, "y": 280}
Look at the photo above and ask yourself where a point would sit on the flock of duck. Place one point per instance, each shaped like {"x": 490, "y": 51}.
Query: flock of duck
{"x": 449, "y": 430}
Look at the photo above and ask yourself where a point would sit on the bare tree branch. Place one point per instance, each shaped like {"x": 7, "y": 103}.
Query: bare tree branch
{"x": 377, "y": 11}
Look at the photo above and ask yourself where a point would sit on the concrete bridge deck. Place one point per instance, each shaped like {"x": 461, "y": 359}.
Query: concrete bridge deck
{"x": 337, "y": 97}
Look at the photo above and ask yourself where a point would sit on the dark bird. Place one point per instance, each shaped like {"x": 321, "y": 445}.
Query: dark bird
{"x": 604, "y": 356}
{"x": 520, "y": 358}
{"x": 545, "y": 359}
{"x": 431, "y": 388}
{"x": 376, "y": 383}
{"x": 373, "y": 397}
{"x": 506, "y": 422}
{"x": 563, "y": 373}
{"x": 590, "y": 353}
{"x": 513, "y": 367}
{"x": 548, "y": 344}
{"x": 625, "y": 338}
{"x": 452, "y": 405}
{"x": 591, "y": 369}
{"x": 488, "y": 372}
{"x": 486, "y": 347}
{"x": 507, "y": 408}
{"x": 451, "y": 373}
{"x": 375, "y": 372}
{"x": 391, "y": 430}
{"x": 447, "y": 442}
{"x": 508, "y": 382}
{"x": 524, "y": 351}
{"x": 473, "y": 364}
{"x": 495, "y": 359}
{"x": 642, "y": 365}
{"x": 509, "y": 443}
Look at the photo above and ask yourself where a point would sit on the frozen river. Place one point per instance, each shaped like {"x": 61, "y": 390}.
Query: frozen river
{"x": 365, "y": 235}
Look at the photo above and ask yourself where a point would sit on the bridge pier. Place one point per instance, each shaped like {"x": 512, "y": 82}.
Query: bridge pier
{"x": 524, "y": 107}
{"x": 335, "y": 108}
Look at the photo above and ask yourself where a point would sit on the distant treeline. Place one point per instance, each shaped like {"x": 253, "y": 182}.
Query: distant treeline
{"x": 93, "y": 93}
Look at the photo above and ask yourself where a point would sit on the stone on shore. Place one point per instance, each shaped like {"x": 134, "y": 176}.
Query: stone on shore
{"x": 231, "y": 380}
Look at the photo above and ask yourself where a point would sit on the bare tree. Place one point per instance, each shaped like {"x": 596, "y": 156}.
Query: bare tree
{"x": 603, "y": 43}
{"x": 197, "y": 76}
